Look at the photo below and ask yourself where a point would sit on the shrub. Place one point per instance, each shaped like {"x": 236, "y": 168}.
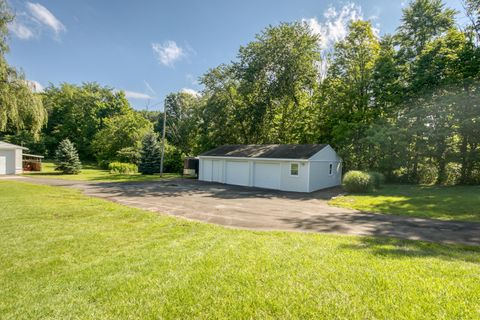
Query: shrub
{"x": 378, "y": 179}
{"x": 103, "y": 164}
{"x": 66, "y": 158}
{"x": 122, "y": 168}
{"x": 357, "y": 181}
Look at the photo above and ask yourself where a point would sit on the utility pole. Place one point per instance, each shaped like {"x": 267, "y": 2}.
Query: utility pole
{"x": 163, "y": 139}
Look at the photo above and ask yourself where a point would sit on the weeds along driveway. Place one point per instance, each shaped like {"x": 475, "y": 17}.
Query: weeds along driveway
{"x": 258, "y": 209}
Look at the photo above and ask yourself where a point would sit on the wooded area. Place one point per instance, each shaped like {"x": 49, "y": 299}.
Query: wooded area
{"x": 405, "y": 104}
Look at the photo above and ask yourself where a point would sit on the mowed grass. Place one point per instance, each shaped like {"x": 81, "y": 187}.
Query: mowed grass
{"x": 67, "y": 256}
{"x": 460, "y": 203}
{"x": 93, "y": 173}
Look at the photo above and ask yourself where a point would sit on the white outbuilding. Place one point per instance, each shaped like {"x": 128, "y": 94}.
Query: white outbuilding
{"x": 287, "y": 167}
{"x": 11, "y": 157}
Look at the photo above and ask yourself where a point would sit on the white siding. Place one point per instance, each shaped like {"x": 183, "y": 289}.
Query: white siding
{"x": 18, "y": 161}
{"x": 294, "y": 183}
{"x": 320, "y": 177}
{"x": 237, "y": 173}
{"x": 217, "y": 170}
{"x": 8, "y": 161}
{"x": 205, "y": 170}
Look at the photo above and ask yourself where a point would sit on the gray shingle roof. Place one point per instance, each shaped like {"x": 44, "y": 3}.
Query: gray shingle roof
{"x": 6, "y": 145}
{"x": 273, "y": 151}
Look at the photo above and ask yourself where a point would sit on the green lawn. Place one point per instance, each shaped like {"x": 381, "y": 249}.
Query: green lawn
{"x": 93, "y": 173}
{"x": 461, "y": 203}
{"x": 67, "y": 256}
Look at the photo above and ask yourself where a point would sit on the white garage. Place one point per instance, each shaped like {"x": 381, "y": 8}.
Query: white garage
{"x": 299, "y": 167}
{"x": 10, "y": 158}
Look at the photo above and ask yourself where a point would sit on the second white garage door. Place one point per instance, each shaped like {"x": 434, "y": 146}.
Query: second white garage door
{"x": 267, "y": 175}
{"x": 3, "y": 165}
{"x": 238, "y": 172}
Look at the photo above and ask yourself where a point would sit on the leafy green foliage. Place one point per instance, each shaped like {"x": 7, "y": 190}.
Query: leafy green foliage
{"x": 182, "y": 119}
{"x": 121, "y": 137}
{"x": 378, "y": 179}
{"x": 150, "y": 155}
{"x": 20, "y": 108}
{"x": 358, "y": 182}
{"x": 129, "y": 155}
{"x": 80, "y": 112}
{"x": 422, "y": 21}
{"x": 122, "y": 168}
{"x": 66, "y": 158}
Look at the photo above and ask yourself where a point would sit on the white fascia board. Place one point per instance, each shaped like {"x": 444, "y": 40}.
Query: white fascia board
{"x": 251, "y": 159}
{"x": 326, "y": 160}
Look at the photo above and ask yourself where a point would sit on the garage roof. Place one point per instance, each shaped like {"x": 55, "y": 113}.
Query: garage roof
{"x": 274, "y": 151}
{"x": 6, "y": 145}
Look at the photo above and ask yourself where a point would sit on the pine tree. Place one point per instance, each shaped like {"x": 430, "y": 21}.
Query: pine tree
{"x": 150, "y": 155}
{"x": 66, "y": 158}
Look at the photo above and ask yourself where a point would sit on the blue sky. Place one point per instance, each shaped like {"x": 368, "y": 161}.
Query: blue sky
{"x": 151, "y": 48}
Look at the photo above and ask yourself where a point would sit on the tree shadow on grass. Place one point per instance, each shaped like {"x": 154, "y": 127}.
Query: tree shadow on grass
{"x": 408, "y": 249}
{"x": 379, "y": 225}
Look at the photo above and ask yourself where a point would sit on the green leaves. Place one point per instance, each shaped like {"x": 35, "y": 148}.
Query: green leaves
{"x": 20, "y": 108}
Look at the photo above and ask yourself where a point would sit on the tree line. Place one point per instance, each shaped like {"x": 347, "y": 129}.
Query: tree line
{"x": 405, "y": 104}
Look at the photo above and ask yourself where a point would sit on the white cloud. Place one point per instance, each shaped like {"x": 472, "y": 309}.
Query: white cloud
{"x": 21, "y": 31}
{"x": 35, "y": 85}
{"x": 43, "y": 16}
{"x": 168, "y": 52}
{"x": 334, "y": 28}
{"x": 137, "y": 95}
{"x": 190, "y": 91}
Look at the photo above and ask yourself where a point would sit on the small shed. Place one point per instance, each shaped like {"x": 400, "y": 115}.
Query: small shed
{"x": 287, "y": 167}
{"x": 11, "y": 157}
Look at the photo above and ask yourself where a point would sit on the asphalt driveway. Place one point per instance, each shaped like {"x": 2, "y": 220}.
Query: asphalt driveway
{"x": 259, "y": 209}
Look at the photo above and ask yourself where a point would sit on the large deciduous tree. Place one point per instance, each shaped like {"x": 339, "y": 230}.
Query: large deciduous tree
{"x": 278, "y": 75}
{"x": 181, "y": 120}
{"x": 422, "y": 21}
{"x": 21, "y": 110}
{"x": 348, "y": 93}
{"x": 121, "y": 137}
{"x": 79, "y": 112}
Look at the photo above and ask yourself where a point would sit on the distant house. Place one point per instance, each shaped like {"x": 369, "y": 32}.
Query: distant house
{"x": 287, "y": 167}
{"x": 11, "y": 158}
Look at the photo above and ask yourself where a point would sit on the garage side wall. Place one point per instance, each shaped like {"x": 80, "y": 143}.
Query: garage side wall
{"x": 7, "y": 161}
{"x": 18, "y": 161}
{"x": 320, "y": 177}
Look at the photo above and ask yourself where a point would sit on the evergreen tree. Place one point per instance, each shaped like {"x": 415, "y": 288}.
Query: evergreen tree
{"x": 66, "y": 158}
{"x": 150, "y": 155}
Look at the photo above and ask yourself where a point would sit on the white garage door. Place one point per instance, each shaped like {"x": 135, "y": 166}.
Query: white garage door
{"x": 238, "y": 173}
{"x": 206, "y": 169}
{"x": 217, "y": 171}
{"x": 3, "y": 165}
{"x": 267, "y": 175}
